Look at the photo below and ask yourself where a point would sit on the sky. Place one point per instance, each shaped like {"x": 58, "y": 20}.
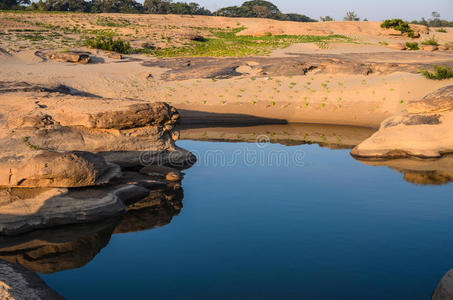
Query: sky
{"x": 372, "y": 10}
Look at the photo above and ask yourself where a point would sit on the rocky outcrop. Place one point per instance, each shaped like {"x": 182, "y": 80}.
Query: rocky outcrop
{"x": 444, "y": 290}
{"x": 61, "y": 157}
{"x": 17, "y": 283}
{"x": 424, "y": 131}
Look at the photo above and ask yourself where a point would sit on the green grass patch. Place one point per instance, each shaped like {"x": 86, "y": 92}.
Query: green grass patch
{"x": 439, "y": 73}
{"x": 227, "y": 43}
{"x": 109, "y": 44}
{"x": 412, "y": 46}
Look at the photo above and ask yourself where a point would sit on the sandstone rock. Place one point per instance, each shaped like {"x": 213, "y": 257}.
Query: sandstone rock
{"x": 444, "y": 290}
{"x": 132, "y": 116}
{"x": 70, "y": 56}
{"x": 442, "y": 48}
{"x": 397, "y": 46}
{"x": 115, "y": 55}
{"x": 437, "y": 101}
{"x": 426, "y": 133}
{"x": 430, "y": 48}
{"x": 17, "y": 283}
{"x": 55, "y": 169}
{"x": 23, "y": 210}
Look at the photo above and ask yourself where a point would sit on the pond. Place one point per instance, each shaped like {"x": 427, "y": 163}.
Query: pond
{"x": 274, "y": 221}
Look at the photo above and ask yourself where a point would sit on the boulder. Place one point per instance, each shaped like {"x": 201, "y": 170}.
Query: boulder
{"x": 69, "y": 56}
{"x": 17, "y": 283}
{"x": 397, "y": 46}
{"x": 444, "y": 290}
{"x": 426, "y": 132}
{"x": 55, "y": 169}
{"x": 170, "y": 174}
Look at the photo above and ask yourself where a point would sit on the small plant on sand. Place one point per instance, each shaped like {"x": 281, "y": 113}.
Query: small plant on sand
{"x": 412, "y": 46}
{"x": 432, "y": 41}
{"x": 109, "y": 44}
{"x": 383, "y": 43}
{"x": 399, "y": 25}
{"x": 443, "y": 30}
{"x": 440, "y": 72}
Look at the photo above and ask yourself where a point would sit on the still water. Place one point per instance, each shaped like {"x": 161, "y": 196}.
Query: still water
{"x": 322, "y": 227}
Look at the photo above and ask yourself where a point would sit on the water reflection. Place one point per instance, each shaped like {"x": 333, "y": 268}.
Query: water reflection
{"x": 420, "y": 171}
{"x": 332, "y": 136}
{"x": 416, "y": 171}
{"x": 73, "y": 246}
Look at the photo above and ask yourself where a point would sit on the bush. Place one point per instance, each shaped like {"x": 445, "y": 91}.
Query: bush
{"x": 399, "y": 25}
{"x": 412, "y": 46}
{"x": 432, "y": 41}
{"x": 109, "y": 44}
{"x": 440, "y": 72}
{"x": 443, "y": 30}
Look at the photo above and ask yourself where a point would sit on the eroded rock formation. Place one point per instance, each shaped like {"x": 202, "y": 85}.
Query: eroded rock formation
{"x": 424, "y": 131}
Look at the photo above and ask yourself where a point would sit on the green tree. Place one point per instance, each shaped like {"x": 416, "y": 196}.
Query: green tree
{"x": 351, "y": 16}
{"x": 326, "y": 19}
{"x": 13, "y": 4}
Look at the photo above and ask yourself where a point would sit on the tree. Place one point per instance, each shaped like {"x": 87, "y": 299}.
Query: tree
{"x": 13, "y": 4}
{"x": 260, "y": 9}
{"x": 351, "y": 16}
{"x": 326, "y": 19}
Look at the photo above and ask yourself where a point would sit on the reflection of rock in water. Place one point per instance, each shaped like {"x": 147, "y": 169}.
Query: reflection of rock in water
{"x": 332, "y": 136}
{"x": 72, "y": 246}
{"x": 156, "y": 210}
{"x": 444, "y": 290}
{"x": 420, "y": 171}
{"x": 16, "y": 283}
{"x": 58, "y": 249}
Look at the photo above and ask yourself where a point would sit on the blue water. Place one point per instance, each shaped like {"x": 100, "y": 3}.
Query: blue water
{"x": 330, "y": 228}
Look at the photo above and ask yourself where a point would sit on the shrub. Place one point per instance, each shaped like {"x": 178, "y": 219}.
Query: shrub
{"x": 412, "y": 46}
{"x": 441, "y": 30}
{"x": 440, "y": 72}
{"x": 399, "y": 25}
{"x": 109, "y": 44}
{"x": 432, "y": 41}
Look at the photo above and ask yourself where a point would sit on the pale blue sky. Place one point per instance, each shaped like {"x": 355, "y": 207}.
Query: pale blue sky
{"x": 373, "y": 10}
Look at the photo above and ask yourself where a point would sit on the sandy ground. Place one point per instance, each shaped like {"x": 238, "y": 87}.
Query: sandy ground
{"x": 340, "y": 94}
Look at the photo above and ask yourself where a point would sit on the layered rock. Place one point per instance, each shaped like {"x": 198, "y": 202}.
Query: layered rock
{"x": 62, "y": 155}
{"x": 424, "y": 131}
{"x": 72, "y": 246}
{"x": 18, "y": 283}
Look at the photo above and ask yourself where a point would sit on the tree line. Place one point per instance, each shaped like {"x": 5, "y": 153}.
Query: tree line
{"x": 249, "y": 9}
